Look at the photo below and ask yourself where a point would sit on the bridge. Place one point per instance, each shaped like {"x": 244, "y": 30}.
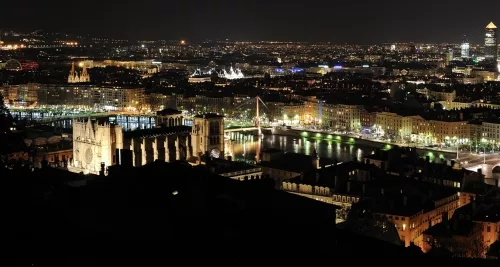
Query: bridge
{"x": 474, "y": 162}
{"x": 258, "y": 101}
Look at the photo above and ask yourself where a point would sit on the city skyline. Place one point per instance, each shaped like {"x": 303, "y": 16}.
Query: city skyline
{"x": 259, "y": 20}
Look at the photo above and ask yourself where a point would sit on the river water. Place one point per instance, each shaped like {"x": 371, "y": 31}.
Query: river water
{"x": 246, "y": 146}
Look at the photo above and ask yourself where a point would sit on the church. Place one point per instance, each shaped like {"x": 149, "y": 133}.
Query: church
{"x": 74, "y": 77}
{"x": 99, "y": 144}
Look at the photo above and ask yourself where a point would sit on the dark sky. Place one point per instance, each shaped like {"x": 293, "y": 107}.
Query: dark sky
{"x": 338, "y": 21}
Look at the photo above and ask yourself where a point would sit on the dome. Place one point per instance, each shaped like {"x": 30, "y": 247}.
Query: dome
{"x": 13, "y": 64}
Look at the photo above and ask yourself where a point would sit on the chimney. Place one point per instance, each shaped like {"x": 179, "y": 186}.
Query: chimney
{"x": 405, "y": 200}
{"x": 480, "y": 171}
{"x": 349, "y": 187}
{"x": 382, "y": 190}
{"x": 336, "y": 180}
{"x": 364, "y": 188}
{"x": 302, "y": 176}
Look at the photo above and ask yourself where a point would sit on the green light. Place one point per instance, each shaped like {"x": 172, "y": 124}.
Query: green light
{"x": 318, "y": 135}
{"x": 338, "y": 138}
{"x": 330, "y": 136}
{"x": 304, "y": 134}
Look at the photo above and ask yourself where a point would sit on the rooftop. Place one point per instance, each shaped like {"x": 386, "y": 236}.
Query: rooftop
{"x": 491, "y": 26}
{"x": 158, "y": 131}
{"x": 226, "y": 167}
{"x": 168, "y": 111}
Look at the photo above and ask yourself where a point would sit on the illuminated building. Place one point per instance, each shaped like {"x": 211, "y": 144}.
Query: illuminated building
{"x": 13, "y": 65}
{"x": 100, "y": 145}
{"x": 449, "y": 132}
{"x": 342, "y": 117}
{"x": 74, "y": 77}
{"x": 393, "y": 124}
{"x": 294, "y": 113}
{"x": 490, "y": 43}
{"x": 204, "y": 76}
{"x": 21, "y": 95}
{"x": 448, "y": 57}
{"x": 89, "y": 97}
{"x": 464, "y": 47}
{"x": 208, "y": 136}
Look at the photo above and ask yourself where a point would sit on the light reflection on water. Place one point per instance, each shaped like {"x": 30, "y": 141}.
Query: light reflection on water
{"x": 245, "y": 146}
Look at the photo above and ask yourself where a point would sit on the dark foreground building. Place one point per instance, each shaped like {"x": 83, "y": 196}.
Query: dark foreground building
{"x": 173, "y": 214}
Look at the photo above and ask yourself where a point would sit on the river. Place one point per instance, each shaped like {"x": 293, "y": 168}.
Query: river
{"x": 245, "y": 146}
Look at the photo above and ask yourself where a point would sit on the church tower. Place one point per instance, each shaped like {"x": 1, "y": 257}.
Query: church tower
{"x": 84, "y": 76}
{"x": 207, "y": 137}
{"x": 72, "y": 74}
{"x": 73, "y": 77}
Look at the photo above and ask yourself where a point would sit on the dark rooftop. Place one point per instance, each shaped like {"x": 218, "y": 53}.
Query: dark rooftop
{"x": 158, "y": 131}
{"x": 224, "y": 166}
{"x": 168, "y": 111}
{"x": 187, "y": 210}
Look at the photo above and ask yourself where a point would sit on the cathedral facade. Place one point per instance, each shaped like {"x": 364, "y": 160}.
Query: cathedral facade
{"x": 94, "y": 146}
{"x": 74, "y": 77}
{"x": 98, "y": 145}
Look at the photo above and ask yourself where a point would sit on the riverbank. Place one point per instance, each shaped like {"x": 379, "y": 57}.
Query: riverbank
{"x": 326, "y": 135}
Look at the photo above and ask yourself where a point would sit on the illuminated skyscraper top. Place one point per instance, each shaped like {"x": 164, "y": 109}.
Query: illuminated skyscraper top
{"x": 490, "y": 43}
{"x": 491, "y": 26}
{"x": 464, "y": 47}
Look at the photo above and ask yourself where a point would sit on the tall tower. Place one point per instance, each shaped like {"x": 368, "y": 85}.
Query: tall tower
{"x": 448, "y": 57}
{"x": 465, "y": 47}
{"x": 207, "y": 137}
{"x": 490, "y": 43}
{"x": 72, "y": 74}
{"x": 84, "y": 76}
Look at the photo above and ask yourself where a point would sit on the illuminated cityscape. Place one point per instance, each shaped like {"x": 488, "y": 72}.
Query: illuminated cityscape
{"x": 397, "y": 142}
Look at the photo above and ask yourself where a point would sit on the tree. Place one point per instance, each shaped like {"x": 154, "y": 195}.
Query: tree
{"x": 363, "y": 221}
{"x": 472, "y": 247}
{"x": 5, "y": 117}
{"x": 8, "y": 141}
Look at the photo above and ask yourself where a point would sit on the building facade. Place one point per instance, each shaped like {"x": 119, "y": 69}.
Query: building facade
{"x": 490, "y": 43}
{"x": 75, "y": 77}
{"x": 91, "y": 97}
{"x": 94, "y": 146}
{"x": 98, "y": 145}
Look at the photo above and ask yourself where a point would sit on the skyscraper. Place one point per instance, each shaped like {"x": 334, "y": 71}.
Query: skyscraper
{"x": 464, "y": 47}
{"x": 490, "y": 43}
{"x": 448, "y": 57}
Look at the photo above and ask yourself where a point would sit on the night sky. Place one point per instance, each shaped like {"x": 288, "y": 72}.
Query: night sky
{"x": 338, "y": 21}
